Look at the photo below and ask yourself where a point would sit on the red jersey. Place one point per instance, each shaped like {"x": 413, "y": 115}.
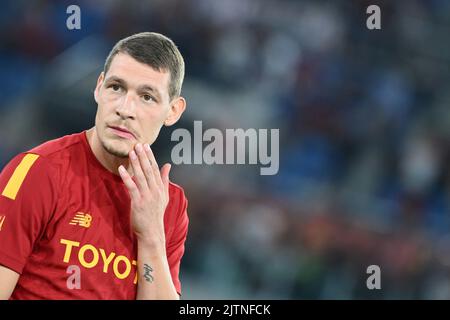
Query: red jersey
{"x": 65, "y": 225}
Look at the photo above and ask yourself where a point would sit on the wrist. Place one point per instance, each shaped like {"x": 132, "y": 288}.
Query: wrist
{"x": 151, "y": 242}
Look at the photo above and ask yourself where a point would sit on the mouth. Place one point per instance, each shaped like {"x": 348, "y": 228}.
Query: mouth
{"x": 122, "y": 132}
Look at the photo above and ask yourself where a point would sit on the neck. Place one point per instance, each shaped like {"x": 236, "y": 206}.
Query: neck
{"x": 109, "y": 161}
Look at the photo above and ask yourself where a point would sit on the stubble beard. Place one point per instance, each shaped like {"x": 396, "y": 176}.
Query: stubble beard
{"x": 114, "y": 151}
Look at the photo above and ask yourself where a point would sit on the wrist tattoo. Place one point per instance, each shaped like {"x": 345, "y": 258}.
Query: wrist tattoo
{"x": 147, "y": 273}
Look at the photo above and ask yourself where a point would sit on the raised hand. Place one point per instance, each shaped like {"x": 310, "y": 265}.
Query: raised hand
{"x": 149, "y": 192}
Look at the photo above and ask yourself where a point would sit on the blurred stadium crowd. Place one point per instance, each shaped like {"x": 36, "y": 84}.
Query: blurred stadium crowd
{"x": 364, "y": 119}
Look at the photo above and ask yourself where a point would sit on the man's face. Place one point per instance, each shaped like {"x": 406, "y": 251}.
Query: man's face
{"x": 133, "y": 104}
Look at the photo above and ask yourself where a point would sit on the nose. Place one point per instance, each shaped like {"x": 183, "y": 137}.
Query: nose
{"x": 126, "y": 109}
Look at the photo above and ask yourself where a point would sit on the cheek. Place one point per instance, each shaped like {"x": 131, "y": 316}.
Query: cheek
{"x": 150, "y": 123}
{"x": 106, "y": 98}
{"x": 100, "y": 113}
{"x": 106, "y": 105}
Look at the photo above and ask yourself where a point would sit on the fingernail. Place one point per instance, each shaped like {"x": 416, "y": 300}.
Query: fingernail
{"x": 139, "y": 148}
{"x": 147, "y": 147}
{"x": 121, "y": 169}
{"x": 133, "y": 155}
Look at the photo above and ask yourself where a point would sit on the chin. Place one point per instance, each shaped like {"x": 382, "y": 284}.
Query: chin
{"x": 117, "y": 149}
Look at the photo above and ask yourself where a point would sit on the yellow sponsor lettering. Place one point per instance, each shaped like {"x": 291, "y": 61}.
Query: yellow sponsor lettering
{"x": 106, "y": 261}
{"x": 134, "y": 262}
{"x": 69, "y": 244}
{"x": 105, "y": 258}
{"x": 83, "y": 261}
{"x": 116, "y": 267}
{"x": 2, "y": 219}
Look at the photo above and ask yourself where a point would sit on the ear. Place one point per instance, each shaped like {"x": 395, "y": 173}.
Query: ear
{"x": 100, "y": 80}
{"x": 177, "y": 107}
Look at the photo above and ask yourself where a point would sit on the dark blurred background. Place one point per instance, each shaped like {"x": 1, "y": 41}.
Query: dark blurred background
{"x": 364, "y": 119}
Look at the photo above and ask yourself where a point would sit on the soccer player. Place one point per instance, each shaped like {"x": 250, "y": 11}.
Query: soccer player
{"x": 90, "y": 215}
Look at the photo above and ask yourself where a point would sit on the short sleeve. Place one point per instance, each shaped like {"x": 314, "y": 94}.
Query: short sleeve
{"x": 27, "y": 201}
{"x": 176, "y": 246}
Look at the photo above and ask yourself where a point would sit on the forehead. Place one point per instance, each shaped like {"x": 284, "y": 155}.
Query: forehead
{"x": 138, "y": 74}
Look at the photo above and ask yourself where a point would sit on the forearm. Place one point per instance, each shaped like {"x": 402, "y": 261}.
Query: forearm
{"x": 154, "y": 278}
{"x": 149, "y": 192}
{"x": 8, "y": 281}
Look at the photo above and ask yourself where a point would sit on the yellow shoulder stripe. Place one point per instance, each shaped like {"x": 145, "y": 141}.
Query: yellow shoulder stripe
{"x": 16, "y": 180}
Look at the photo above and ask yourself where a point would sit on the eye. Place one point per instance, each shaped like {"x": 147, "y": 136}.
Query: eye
{"x": 115, "y": 87}
{"x": 148, "y": 98}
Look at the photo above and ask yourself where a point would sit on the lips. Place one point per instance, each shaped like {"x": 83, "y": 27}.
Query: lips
{"x": 122, "y": 132}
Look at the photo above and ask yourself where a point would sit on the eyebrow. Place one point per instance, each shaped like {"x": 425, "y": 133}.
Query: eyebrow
{"x": 144, "y": 87}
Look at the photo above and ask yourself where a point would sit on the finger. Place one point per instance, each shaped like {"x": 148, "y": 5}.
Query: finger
{"x": 165, "y": 170}
{"x": 145, "y": 165}
{"x": 129, "y": 183}
{"x": 138, "y": 174}
{"x": 154, "y": 164}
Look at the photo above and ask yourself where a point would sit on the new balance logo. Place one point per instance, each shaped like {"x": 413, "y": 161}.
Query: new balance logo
{"x": 82, "y": 219}
{"x": 2, "y": 219}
